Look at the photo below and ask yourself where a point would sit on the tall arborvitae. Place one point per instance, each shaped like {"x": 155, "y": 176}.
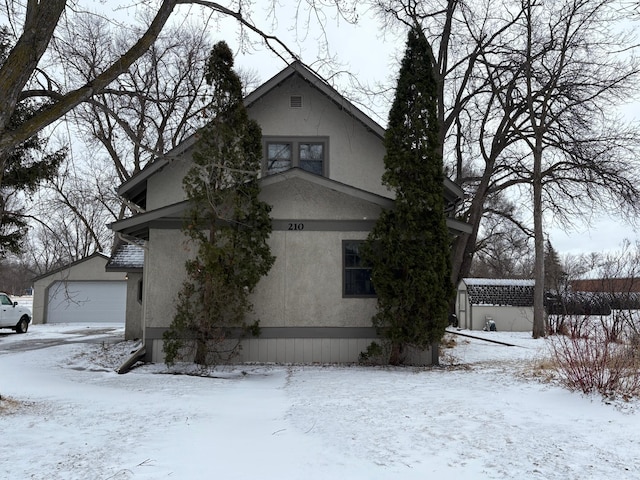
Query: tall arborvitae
{"x": 227, "y": 222}
{"x": 409, "y": 246}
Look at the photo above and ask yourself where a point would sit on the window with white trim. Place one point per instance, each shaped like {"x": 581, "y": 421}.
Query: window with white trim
{"x": 307, "y": 153}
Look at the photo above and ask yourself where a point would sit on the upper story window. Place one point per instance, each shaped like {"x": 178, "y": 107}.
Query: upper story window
{"x": 307, "y": 153}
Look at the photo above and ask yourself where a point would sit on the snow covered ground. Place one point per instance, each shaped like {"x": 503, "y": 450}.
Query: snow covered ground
{"x": 65, "y": 414}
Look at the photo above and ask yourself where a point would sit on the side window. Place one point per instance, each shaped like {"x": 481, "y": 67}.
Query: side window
{"x": 279, "y": 157}
{"x": 4, "y": 300}
{"x": 356, "y": 275}
{"x": 140, "y": 291}
{"x": 311, "y": 157}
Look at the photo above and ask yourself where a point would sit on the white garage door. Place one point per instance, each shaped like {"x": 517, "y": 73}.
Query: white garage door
{"x": 87, "y": 302}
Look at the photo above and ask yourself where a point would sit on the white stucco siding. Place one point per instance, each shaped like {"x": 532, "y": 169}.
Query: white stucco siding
{"x": 303, "y": 200}
{"x": 164, "y": 274}
{"x": 165, "y": 187}
{"x": 304, "y": 287}
{"x": 356, "y": 156}
{"x": 133, "y": 326}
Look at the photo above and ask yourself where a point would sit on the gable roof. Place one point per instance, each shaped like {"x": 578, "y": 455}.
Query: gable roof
{"x": 133, "y": 188}
{"x": 172, "y": 216}
{"x": 507, "y": 292}
{"x": 317, "y": 82}
{"x": 72, "y": 264}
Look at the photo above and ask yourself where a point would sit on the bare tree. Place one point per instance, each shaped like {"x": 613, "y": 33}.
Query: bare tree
{"x": 154, "y": 107}
{"x": 570, "y": 73}
{"x": 503, "y": 247}
{"x": 151, "y": 107}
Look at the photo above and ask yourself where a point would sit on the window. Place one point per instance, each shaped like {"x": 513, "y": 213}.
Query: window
{"x": 278, "y": 157}
{"x": 4, "y": 300}
{"x": 311, "y": 157}
{"x": 357, "y": 276}
{"x": 306, "y": 153}
{"x": 140, "y": 291}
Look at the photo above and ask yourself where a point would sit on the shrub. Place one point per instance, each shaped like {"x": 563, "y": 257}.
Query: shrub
{"x": 593, "y": 362}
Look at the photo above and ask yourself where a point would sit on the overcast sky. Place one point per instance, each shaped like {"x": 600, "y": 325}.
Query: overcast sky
{"x": 373, "y": 56}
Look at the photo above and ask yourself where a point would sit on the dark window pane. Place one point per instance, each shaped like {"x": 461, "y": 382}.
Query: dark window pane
{"x": 278, "y": 157}
{"x": 312, "y": 157}
{"x": 358, "y": 282}
{"x": 357, "y": 277}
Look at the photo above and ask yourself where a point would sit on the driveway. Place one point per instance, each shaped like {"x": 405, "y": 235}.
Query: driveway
{"x": 50, "y": 335}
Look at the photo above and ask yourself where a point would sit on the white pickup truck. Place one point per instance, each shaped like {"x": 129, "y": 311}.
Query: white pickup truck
{"x": 12, "y": 315}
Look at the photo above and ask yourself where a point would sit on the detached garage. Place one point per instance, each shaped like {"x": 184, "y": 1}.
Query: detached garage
{"x": 81, "y": 292}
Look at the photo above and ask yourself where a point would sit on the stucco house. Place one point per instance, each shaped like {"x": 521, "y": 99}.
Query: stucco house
{"x": 321, "y": 173}
{"x": 80, "y": 292}
{"x": 506, "y": 302}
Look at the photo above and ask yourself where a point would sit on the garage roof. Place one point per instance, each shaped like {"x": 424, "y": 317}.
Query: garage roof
{"x": 507, "y": 292}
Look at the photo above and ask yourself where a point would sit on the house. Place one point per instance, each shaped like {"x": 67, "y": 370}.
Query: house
{"x": 321, "y": 174}
{"x": 508, "y": 303}
{"x": 80, "y": 292}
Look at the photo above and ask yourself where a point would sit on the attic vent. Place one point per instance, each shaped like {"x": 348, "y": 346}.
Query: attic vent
{"x": 295, "y": 101}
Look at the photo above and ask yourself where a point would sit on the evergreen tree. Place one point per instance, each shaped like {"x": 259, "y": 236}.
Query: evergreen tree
{"x": 409, "y": 247}
{"x": 554, "y": 274}
{"x": 226, "y": 221}
{"x": 23, "y": 169}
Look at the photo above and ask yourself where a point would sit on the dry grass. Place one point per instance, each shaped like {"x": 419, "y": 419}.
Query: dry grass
{"x": 10, "y": 406}
{"x": 448, "y": 341}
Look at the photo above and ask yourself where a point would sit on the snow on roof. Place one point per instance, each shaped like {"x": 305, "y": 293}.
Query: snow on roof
{"x": 127, "y": 257}
{"x": 499, "y": 281}
{"x": 507, "y": 292}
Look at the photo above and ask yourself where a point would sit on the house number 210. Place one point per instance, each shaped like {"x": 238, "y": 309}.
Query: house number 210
{"x": 296, "y": 226}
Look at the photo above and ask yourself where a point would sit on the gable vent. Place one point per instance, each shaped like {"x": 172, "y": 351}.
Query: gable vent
{"x": 295, "y": 101}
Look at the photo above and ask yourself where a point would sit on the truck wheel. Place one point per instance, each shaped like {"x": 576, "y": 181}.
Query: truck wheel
{"x": 23, "y": 325}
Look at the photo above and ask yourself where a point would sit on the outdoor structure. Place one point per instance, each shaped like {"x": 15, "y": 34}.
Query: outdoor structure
{"x": 80, "y": 292}
{"x": 321, "y": 174}
{"x": 507, "y": 303}
{"x": 128, "y": 260}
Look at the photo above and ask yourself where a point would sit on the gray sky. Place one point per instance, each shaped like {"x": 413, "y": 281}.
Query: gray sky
{"x": 372, "y": 57}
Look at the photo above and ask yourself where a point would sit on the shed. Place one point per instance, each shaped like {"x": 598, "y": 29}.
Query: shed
{"x": 80, "y": 292}
{"x": 506, "y": 302}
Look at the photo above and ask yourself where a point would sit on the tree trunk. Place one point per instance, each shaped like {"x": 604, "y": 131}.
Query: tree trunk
{"x": 396, "y": 355}
{"x": 538, "y": 298}
{"x": 465, "y": 244}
